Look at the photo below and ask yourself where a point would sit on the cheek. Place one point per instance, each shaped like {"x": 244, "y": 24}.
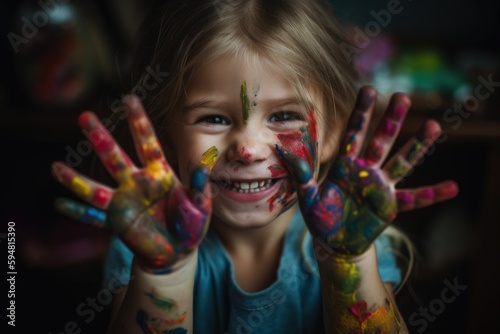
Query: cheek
{"x": 302, "y": 144}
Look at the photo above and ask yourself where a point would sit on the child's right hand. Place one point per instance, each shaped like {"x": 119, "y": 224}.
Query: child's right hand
{"x": 154, "y": 214}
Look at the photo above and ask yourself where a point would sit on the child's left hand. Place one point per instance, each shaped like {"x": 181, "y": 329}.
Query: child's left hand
{"x": 358, "y": 200}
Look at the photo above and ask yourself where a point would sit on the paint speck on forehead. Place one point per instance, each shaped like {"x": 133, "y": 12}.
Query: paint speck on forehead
{"x": 255, "y": 91}
{"x": 245, "y": 102}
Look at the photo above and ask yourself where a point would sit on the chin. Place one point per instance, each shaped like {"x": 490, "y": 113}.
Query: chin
{"x": 250, "y": 215}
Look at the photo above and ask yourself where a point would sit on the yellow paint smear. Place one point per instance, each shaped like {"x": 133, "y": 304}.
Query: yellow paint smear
{"x": 80, "y": 187}
{"x": 209, "y": 158}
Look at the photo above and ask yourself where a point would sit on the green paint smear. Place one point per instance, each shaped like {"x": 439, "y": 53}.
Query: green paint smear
{"x": 348, "y": 277}
{"x": 163, "y": 303}
{"x": 245, "y": 102}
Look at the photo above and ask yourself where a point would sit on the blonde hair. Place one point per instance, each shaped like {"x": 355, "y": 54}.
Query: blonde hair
{"x": 299, "y": 37}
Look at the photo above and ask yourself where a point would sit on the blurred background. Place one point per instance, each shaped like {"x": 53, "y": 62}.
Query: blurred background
{"x": 62, "y": 57}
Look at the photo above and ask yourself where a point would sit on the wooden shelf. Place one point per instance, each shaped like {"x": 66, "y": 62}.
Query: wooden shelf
{"x": 469, "y": 131}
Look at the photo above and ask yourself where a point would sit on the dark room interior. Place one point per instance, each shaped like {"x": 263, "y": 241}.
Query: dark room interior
{"x": 439, "y": 52}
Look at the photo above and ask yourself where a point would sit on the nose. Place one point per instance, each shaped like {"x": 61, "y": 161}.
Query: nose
{"x": 250, "y": 146}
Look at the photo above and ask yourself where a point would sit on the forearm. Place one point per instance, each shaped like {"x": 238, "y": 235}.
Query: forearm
{"x": 354, "y": 297}
{"x": 156, "y": 303}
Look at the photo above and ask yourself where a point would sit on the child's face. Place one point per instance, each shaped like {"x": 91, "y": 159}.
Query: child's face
{"x": 244, "y": 111}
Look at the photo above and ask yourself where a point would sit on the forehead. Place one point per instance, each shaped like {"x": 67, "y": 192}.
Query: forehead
{"x": 226, "y": 74}
{"x": 221, "y": 78}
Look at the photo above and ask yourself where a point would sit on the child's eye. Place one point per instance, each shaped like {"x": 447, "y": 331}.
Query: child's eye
{"x": 285, "y": 116}
{"x": 213, "y": 119}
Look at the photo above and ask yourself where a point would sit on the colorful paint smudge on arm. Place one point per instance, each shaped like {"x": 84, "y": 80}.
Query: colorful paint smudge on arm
{"x": 162, "y": 320}
{"x": 350, "y": 302}
{"x": 154, "y": 214}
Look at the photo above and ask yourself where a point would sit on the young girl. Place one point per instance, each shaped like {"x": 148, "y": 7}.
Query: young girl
{"x": 258, "y": 200}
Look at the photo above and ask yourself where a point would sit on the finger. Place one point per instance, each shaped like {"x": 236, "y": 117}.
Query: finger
{"x": 413, "y": 151}
{"x": 200, "y": 189}
{"x": 147, "y": 146}
{"x": 358, "y": 123}
{"x": 83, "y": 213}
{"x": 90, "y": 191}
{"x": 307, "y": 188}
{"x": 387, "y": 130}
{"x": 111, "y": 154}
{"x": 191, "y": 221}
{"x": 409, "y": 199}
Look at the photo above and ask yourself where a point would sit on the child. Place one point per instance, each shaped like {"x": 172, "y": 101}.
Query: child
{"x": 254, "y": 208}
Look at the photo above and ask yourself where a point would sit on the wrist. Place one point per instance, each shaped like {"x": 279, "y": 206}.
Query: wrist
{"x": 173, "y": 275}
{"x": 324, "y": 253}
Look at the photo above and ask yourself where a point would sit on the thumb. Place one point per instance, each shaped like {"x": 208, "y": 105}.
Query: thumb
{"x": 307, "y": 188}
{"x": 199, "y": 183}
{"x": 200, "y": 188}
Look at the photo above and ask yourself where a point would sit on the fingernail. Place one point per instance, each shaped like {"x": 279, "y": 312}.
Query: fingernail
{"x": 301, "y": 171}
{"x": 449, "y": 190}
{"x": 199, "y": 178}
{"x": 365, "y": 98}
{"x": 130, "y": 100}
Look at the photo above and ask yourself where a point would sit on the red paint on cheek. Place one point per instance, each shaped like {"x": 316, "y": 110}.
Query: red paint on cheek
{"x": 294, "y": 144}
{"x": 281, "y": 196}
{"x": 301, "y": 144}
{"x": 312, "y": 127}
{"x": 276, "y": 170}
{"x": 271, "y": 201}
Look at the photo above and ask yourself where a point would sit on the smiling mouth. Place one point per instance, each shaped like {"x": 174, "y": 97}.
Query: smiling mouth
{"x": 247, "y": 187}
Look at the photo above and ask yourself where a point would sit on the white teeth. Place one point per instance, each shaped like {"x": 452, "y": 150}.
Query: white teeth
{"x": 245, "y": 187}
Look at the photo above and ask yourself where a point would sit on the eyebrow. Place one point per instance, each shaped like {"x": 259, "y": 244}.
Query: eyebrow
{"x": 197, "y": 104}
{"x": 275, "y": 103}
{"x": 280, "y": 102}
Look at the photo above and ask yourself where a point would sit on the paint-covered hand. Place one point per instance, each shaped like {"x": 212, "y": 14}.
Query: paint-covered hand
{"x": 358, "y": 199}
{"x": 154, "y": 214}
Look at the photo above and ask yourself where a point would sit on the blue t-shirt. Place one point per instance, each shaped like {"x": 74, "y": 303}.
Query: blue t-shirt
{"x": 292, "y": 304}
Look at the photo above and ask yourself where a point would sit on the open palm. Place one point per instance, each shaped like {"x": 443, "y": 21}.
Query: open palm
{"x": 154, "y": 214}
{"x": 358, "y": 200}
